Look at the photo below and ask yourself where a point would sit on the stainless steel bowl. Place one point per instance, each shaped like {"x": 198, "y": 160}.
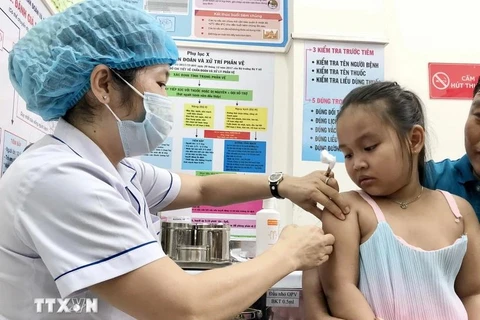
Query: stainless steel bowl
{"x": 193, "y": 253}
{"x": 217, "y": 238}
{"x": 175, "y": 235}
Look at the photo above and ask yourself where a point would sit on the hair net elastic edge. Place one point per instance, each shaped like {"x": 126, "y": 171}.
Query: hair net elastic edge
{"x": 123, "y": 66}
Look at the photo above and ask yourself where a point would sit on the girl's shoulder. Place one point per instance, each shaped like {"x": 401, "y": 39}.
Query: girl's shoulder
{"x": 353, "y": 195}
{"x": 360, "y": 223}
{"x": 359, "y": 209}
{"x": 458, "y": 203}
{"x": 356, "y": 200}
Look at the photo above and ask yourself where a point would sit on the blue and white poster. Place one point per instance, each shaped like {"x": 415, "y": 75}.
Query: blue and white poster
{"x": 61, "y": 5}
{"x": 332, "y": 70}
{"x": 262, "y": 23}
{"x": 13, "y": 146}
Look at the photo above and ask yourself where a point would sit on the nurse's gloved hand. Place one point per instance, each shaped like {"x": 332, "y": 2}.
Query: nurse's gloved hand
{"x": 307, "y": 191}
{"x": 306, "y": 247}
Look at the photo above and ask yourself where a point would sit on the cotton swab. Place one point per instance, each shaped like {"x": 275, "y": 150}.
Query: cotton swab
{"x": 328, "y": 159}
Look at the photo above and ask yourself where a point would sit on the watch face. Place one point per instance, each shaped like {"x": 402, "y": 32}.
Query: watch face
{"x": 274, "y": 177}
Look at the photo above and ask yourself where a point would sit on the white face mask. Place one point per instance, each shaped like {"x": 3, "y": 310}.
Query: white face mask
{"x": 139, "y": 138}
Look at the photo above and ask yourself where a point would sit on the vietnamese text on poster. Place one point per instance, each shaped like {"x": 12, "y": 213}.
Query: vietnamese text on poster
{"x": 223, "y": 124}
{"x": 253, "y": 22}
{"x": 261, "y": 23}
{"x": 19, "y": 125}
{"x": 332, "y": 70}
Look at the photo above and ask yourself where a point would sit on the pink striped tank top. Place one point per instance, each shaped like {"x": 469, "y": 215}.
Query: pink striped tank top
{"x": 403, "y": 282}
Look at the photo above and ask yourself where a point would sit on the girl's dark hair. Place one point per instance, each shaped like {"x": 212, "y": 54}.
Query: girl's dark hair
{"x": 402, "y": 109}
{"x": 84, "y": 110}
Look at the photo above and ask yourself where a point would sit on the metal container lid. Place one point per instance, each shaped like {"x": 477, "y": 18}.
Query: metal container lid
{"x": 203, "y": 225}
{"x": 177, "y": 225}
{"x": 221, "y": 226}
{"x": 193, "y": 248}
{"x": 213, "y": 226}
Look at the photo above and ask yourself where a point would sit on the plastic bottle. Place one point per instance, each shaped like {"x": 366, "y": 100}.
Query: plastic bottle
{"x": 267, "y": 226}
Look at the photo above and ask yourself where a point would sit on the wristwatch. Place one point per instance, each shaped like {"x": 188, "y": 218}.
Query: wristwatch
{"x": 274, "y": 179}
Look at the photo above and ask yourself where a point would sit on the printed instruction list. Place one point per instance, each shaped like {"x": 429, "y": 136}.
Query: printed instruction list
{"x": 332, "y": 70}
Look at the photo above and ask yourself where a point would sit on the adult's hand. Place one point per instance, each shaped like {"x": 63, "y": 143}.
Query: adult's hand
{"x": 306, "y": 247}
{"x": 314, "y": 188}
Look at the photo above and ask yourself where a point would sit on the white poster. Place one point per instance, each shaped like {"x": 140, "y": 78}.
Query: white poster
{"x": 19, "y": 126}
{"x": 332, "y": 70}
{"x": 223, "y": 124}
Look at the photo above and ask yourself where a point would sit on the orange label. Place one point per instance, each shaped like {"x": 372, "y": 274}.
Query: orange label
{"x": 272, "y": 222}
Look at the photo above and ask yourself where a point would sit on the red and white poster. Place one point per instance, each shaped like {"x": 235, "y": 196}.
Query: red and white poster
{"x": 452, "y": 80}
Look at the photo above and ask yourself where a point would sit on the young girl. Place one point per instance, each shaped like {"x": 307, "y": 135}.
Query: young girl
{"x": 404, "y": 252}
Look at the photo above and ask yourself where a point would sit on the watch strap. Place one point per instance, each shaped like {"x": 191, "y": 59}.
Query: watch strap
{"x": 274, "y": 189}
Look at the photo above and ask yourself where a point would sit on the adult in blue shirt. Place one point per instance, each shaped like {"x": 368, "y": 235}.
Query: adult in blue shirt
{"x": 462, "y": 176}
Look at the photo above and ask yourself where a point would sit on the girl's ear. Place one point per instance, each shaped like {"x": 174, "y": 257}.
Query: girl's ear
{"x": 417, "y": 139}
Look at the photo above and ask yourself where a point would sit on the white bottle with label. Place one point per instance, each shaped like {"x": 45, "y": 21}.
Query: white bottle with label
{"x": 267, "y": 226}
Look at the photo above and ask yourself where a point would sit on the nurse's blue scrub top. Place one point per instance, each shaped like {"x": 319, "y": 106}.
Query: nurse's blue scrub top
{"x": 455, "y": 176}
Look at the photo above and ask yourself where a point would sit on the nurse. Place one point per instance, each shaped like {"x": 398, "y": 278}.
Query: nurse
{"x": 75, "y": 207}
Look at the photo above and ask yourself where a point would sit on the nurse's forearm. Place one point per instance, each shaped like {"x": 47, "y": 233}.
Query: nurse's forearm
{"x": 161, "y": 290}
{"x": 227, "y": 291}
{"x": 224, "y": 189}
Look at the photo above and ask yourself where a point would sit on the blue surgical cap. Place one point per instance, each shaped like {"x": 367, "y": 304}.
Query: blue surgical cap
{"x": 50, "y": 66}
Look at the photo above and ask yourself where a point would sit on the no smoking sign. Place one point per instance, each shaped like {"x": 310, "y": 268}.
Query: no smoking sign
{"x": 452, "y": 80}
{"x": 440, "y": 80}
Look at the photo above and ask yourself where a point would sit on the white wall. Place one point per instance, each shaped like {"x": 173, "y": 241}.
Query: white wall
{"x": 418, "y": 32}
{"x": 417, "y": 37}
